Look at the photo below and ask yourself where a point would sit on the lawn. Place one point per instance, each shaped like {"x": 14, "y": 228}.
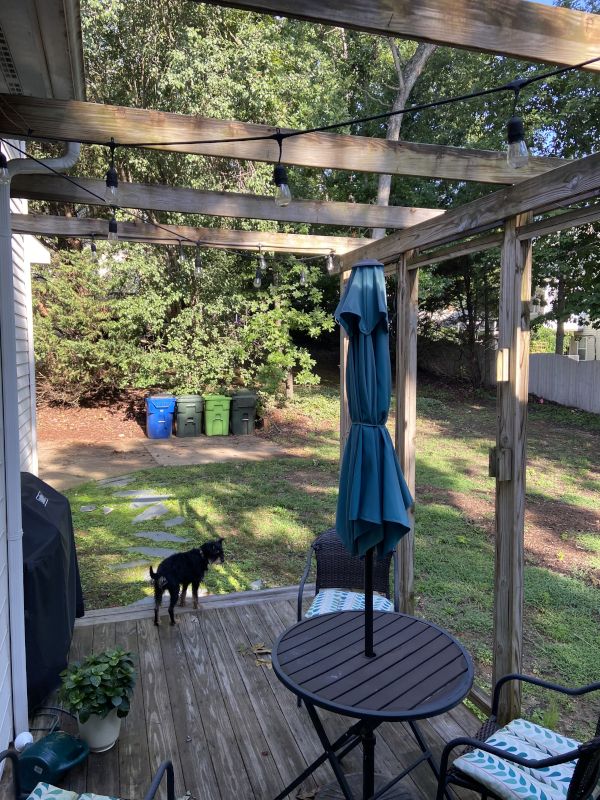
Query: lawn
{"x": 269, "y": 512}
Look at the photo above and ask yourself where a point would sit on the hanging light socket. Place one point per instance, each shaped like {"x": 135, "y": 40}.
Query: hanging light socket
{"x": 94, "y": 250}
{"x": 113, "y": 234}
{"x": 4, "y": 174}
{"x": 517, "y": 154}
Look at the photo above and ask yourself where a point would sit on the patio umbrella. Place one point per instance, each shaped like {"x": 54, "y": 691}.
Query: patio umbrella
{"x": 373, "y": 499}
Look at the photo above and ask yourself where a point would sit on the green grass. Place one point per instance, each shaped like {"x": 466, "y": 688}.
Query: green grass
{"x": 270, "y": 511}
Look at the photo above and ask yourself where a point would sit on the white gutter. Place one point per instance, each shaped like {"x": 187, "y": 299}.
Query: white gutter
{"x": 12, "y": 466}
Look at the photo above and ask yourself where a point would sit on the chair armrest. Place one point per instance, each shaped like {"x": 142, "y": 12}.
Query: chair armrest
{"x": 13, "y": 756}
{"x": 303, "y": 580}
{"x": 167, "y": 767}
{"x": 592, "y": 687}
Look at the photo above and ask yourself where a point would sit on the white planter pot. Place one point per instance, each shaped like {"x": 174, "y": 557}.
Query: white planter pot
{"x": 101, "y": 733}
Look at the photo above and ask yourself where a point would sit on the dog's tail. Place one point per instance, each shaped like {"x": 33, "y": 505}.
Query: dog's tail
{"x": 153, "y": 574}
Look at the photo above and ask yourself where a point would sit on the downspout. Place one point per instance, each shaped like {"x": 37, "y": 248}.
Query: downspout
{"x": 12, "y": 466}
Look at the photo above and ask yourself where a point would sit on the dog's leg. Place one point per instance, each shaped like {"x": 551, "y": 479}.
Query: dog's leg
{"x": 195, "y": 585}
{"x": 158, "y": 593}
{"x": 183, "y": 594}
{"x": 173, "y": 591}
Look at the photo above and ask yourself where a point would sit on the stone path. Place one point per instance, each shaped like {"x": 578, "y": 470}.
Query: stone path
{"x": 160, "y": 536}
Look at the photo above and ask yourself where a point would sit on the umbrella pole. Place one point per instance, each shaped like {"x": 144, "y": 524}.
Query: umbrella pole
{"x": 369, "y": 652}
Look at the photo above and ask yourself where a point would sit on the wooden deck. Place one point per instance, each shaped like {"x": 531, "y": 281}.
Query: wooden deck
{"x": 230, "y": 728}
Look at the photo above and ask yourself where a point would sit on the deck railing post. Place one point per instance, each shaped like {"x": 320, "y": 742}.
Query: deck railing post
{"x": 510, "y": 459}
{"x": 407, "y": 306}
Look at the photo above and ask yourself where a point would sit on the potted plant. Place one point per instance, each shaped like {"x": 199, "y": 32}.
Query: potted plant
{"x": 98, "y": 691}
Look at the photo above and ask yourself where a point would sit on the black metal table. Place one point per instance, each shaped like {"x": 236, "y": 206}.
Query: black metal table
{"x": 419, "y": 670}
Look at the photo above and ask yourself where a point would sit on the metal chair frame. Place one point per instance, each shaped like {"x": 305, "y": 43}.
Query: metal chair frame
{"x": 586, "y": 774}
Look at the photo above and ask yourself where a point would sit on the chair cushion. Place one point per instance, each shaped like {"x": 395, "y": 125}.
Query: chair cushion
{"x": 509, "y": 780}
{"x": 45, "y": 791}
{"x": 342, "y": 600}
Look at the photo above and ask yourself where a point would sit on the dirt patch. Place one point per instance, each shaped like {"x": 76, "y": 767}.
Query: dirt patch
{"x": 123, "y": 419}
{"x": 547, "y": 527}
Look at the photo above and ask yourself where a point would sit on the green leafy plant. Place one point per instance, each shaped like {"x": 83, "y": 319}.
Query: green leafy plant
{"x": 99, "y": 684}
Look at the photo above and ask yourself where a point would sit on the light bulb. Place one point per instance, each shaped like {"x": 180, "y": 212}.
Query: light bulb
{"x": 262, "y": 263}
{"x": 257, "y": 282}
{"x": 181, "y": 256}
{"x": 4, "y": 174}
{"x": 112, "y": 230}
{"x": 94, "y": 250}
{"x": 283, "y": 195}
{"x": 303, "y": 278}
{"x": 517, "y": 154}
{"x": 198, "y": 262}
{"x": 111, "y": 193}
{"x": 329, "y": 263}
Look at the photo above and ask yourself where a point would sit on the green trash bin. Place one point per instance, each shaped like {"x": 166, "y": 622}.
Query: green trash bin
{"x": 188, "y": 420}
{"x": 216, "y": 414}
{"x": 243, "y": 413}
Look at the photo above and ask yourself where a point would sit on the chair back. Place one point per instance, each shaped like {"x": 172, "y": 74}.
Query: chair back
{"x": 338, "y": 569}
{"x": 586, "y": 777}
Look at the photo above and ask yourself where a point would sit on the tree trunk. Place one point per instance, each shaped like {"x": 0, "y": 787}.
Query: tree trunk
{"x": 560, "y": 317}
{"x": 289, "y": 386}
{"x": 407, "y": 77}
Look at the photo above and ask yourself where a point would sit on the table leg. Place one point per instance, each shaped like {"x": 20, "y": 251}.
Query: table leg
{"x": 368, "y": 743}
{"x": 420, "y": 737}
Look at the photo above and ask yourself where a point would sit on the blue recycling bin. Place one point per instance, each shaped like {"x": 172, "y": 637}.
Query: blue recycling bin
{"x": 159, "y": 416}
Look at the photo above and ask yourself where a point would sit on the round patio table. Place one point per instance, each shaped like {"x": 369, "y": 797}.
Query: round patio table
{"x": 419, "y": 670}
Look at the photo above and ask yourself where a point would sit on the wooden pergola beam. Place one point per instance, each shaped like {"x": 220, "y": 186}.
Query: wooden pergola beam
{"x": 508, "y": 27}
{"x": 562, "y": 186}
{"x": 70, "y": 120}
{"x": 220, "y": 204}
{"x": 220, "y": 238}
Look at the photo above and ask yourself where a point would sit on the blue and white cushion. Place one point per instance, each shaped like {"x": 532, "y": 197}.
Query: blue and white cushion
{"x": 509, "y": 780}
{"x": 329, "y": 600}
{"x": 45, "y": 791}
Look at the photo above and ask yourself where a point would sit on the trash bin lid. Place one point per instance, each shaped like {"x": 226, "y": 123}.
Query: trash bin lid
{"x": 189, "y": 398}
{"x": 216, "y": 397}
{"x": 161, "y": 401}
{"x": 243, "y": 400}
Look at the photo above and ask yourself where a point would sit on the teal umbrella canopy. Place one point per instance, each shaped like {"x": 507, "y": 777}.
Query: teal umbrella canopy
{"x": 373, "y": 499}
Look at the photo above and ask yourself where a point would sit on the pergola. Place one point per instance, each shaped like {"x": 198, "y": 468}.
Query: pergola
{"x": 508, "y": 219}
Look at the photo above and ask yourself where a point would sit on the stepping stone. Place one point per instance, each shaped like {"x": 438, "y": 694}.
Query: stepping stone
{"x": 144, "y": 601}
{"x": 121, "y": 480}
{"x": 107, "y": 510}
{"x": 153, "y": 552}
{"x": 257, "y": 585}
{"x": 88, "y": 508}
{"x": 152, "y": 512}
{"x": 131, "y": 565}
{"x": 170, "y": 523}
{"x": 145, "y": 495}
{"x": 160, "y": 536}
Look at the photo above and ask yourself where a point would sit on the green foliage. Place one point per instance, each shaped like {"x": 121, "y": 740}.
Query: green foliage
{"x": 140, "y": 319}
{"x": 99, "y": 684}
{"x": 542, "y": 340}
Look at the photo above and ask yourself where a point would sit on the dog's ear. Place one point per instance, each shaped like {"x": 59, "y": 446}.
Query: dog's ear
{"x": 221, "y": 539}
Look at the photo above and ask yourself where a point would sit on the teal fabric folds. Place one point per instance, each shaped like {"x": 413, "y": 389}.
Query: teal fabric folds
{"x": 373, "y": 499}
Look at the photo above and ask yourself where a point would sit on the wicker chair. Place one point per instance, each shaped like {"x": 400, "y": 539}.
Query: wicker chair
{"x": 337, "y": 569}
{"x": 488, "y": 767}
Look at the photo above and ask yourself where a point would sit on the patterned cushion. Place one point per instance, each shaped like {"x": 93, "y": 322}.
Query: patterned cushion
{"x": 509, "y": 780}
{"x": 45, "y": 791}
{"x": 342, "y": 600}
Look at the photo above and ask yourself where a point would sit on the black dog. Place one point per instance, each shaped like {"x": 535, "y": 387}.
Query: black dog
{"x": 181, "y": 569}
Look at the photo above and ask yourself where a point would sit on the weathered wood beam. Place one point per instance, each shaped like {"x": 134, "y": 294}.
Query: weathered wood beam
{"x": 74, "y": 227}
{"x": 220, "y": 204}
{"x": 456, "y": 250}
{"x": 509, "y": 27}
{"x": 407, "y": 305}
{"x": 92, "y": 122}
{"x": 562, "y": 186}
{"x": 510, "y": 461}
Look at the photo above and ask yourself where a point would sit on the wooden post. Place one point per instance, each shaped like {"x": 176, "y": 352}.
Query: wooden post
{"x": 344, "y": 412}
{"x": 407, "y": 302}
{"x": 513, "y": 378}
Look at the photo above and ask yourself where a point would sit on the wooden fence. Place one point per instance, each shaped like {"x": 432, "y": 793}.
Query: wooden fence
{"x": 565, "y": 381}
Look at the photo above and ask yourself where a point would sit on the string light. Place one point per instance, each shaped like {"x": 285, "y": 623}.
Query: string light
{"x": 303, "y": 279}
{"x": 4, "y": 175}
{"x": 517, "y": 154}
{"x": 261, "y": 267}
{"x": 198, "y": 261}
{"x": 111, "y": 194}
{"x": 94, "y": 249}
{"x": 283, "y": 195}
{"x": 181, "y": 256}
{"x": 113, "y": 233}
{"x": 329, "y": 263}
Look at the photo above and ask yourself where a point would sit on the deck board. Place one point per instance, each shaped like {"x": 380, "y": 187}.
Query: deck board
{"x": 232, "y": 730}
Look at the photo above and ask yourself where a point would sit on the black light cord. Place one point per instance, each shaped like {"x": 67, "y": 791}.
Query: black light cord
{"x": 514, "y": 86}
